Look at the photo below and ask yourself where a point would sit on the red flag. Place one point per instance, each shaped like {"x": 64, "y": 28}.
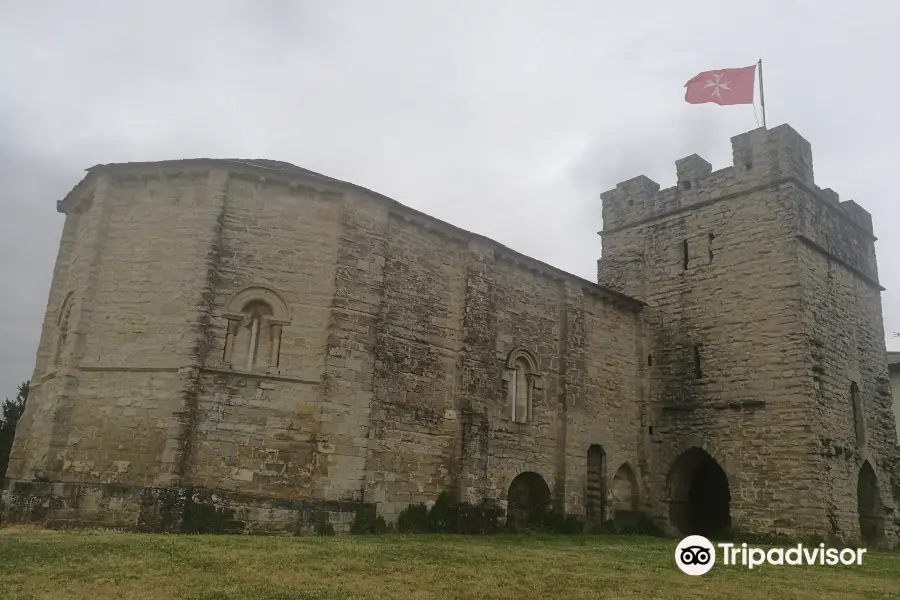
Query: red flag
{"x": 723, "y": 87}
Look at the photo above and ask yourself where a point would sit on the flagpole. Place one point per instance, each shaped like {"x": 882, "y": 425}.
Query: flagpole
{"x": 762, "y": 96}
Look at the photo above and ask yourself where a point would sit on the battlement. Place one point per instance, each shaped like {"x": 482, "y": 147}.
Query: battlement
{"x": 760, "y": 158}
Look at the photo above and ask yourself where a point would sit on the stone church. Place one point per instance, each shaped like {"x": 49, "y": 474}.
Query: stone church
{"x": 252, "y": 337}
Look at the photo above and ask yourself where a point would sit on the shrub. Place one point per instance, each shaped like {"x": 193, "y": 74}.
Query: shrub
{"x": 366, "y": 523}
{"x": 443, "y": 517}
{"x": 639, "y": 524}
{"x": 413, "y": 519}
{"x": 448, "y": 517}
{"x": 324, "y": 527}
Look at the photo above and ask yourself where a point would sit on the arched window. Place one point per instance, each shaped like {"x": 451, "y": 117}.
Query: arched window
{"x": 255, "y": 316}
{"x": 252, "y": 345}
{"x": 624, "y": 495}
{"x": 62, "y": 329}
{"x": 521, "y": 381}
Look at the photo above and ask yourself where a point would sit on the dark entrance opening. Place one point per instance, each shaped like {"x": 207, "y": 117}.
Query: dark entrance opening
{"x": 699, "y": 497}
{"x": 595, "y": 488}
{"x": 871, "y": 513}
{"x": 528, "y": 500}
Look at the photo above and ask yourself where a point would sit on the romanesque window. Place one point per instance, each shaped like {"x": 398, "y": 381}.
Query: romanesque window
{"x": 521, "y": 381}
{"x": 859, "y": 423}
{"x": 62, "y": 329}
{"x": 255, "y": 317}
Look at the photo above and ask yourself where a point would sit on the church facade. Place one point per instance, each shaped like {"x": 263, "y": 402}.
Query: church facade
{"x": 252, "y": 338}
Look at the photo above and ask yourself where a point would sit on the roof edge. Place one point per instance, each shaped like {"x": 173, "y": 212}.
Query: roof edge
{"x": 300, "y": 172}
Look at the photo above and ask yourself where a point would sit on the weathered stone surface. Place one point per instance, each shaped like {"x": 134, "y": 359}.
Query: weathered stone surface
{"x": 246, "y": 345}
{"x": 764, "y": 311}
{"x": 894, "y": 371}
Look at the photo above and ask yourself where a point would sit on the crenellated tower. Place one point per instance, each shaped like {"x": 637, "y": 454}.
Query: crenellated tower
{"x": 769, "y": 406}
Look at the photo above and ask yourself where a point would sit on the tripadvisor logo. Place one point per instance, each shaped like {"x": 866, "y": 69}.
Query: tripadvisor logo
{"x": 696, "y": 555}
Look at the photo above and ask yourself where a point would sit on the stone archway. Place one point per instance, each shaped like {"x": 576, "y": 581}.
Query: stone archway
{"x": 625, "y": 496}
{"x": 528, "y": 499}
{"x": 699, "y": 495}
{"x": 869, "y": 506}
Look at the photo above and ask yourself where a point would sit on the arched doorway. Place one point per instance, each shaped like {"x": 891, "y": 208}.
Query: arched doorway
{"x": 699, "y": 496}
{"x": 595, "y": 484}
{"x": 871, "y": 514}
{"x": 528, "y": 500}
{"x": 624, "y": 496}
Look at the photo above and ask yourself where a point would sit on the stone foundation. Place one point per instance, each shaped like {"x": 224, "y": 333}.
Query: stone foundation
{"x": 169, "y": 509}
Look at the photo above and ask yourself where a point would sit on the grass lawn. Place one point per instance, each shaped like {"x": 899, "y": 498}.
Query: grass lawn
{"x": 104, "y": 565}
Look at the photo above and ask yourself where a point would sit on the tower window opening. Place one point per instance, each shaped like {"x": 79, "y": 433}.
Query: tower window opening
{"x": 698, "y": 371}
{"x": 859, "y": 423}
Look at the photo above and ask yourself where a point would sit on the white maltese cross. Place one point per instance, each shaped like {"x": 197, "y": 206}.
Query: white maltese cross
{"x": 717, "y": 85}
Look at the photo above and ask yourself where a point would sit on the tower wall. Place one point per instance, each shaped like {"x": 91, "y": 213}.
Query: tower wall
{"x": 734, "y": 265}
{"x": 848, "y": 377}
{"x": 31, "y": 446}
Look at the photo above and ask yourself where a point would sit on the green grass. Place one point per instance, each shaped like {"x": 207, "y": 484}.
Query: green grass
{"x": 38, "y": 564}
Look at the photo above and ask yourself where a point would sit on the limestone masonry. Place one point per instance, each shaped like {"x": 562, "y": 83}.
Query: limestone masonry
{"x": 253, "y": 341}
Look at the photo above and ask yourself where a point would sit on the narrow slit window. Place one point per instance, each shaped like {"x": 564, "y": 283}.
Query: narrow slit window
{"x": 711, "y": 238}
{"x": 62, "y": 329}
{"x": 698, "y": 371}
{"x": 684, "y": 252}
{"x": 522, "y": 381}
{"x": 858, "y": 418}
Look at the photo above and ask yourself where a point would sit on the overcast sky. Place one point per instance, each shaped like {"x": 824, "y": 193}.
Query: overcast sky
{"x": 507, "y": 118}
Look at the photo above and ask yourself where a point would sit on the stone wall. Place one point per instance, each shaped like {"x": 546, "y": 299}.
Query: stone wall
{"x": 172, "y": 509}
{"x": 291, "y": 339}
{"x": 454, "y": 311}
{"x": 255, "y": 429}
{"x": 48, "y": 383}
{"x": 106, "y": 380}
{"x": 414, "y": 428}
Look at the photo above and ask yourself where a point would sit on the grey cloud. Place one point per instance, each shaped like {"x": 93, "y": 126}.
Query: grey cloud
{"x": 28, "y": 246}
{"x": 508, "y": 118}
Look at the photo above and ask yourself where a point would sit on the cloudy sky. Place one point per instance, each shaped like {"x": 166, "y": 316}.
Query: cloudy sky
{"x": 507, "y": 118}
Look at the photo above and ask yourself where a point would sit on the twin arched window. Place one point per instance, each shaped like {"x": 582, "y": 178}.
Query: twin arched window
{"x": 521, "y": 379}
{"x": 255, "y": 317}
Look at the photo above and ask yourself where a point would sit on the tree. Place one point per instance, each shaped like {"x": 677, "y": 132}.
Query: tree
{"x": 9, "y": 418}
